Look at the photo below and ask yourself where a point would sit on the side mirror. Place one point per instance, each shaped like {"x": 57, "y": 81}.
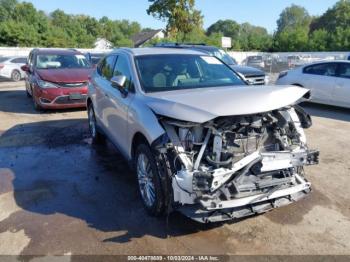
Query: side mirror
{"x": 119, "y": 82}
{"x": 25, "y": 68}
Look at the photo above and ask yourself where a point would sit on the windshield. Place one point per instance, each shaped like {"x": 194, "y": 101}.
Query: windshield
{"x": 61, "y": 61}
{"x": 173, "y": 72}
{"x": 223, "y": 56}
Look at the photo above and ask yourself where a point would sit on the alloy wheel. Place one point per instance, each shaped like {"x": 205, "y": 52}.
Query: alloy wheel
{"x": 16, "y": 76}
{"x": 145, "y": 180}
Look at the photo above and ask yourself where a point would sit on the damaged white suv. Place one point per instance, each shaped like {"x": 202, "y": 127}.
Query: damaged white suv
{"x": 201, "y": 140}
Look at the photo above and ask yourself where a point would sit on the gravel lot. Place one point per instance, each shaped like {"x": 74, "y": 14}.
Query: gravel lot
{"x": 61, "y": 195}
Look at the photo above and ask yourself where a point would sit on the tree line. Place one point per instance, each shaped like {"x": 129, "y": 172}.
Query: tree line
{"x": 21, "y": 24}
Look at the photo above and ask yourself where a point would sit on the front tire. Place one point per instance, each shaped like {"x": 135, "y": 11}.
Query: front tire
{"x": 97, "y": 137}
{"x": 149, "y": 182}
{"x": 37, "y": 107}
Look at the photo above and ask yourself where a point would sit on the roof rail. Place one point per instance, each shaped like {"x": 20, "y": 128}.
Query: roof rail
{"x": 126, "y": 49}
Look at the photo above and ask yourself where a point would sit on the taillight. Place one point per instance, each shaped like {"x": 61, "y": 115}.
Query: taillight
{"x": 1, "y": 66}
{"x": 282, "y": 74}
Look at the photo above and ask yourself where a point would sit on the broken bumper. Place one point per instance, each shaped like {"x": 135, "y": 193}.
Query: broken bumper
{"x": 209, "y": 209}
{"x": 206, "y": 212}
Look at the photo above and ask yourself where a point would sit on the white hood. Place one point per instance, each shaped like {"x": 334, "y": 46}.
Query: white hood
{"x": 203, "y": 104}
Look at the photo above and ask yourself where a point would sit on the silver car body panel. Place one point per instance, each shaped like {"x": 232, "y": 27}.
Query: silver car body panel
{"x": 203, "y": 104}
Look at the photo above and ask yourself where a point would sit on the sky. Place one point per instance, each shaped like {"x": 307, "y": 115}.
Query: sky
{"x": 257, "y": 12}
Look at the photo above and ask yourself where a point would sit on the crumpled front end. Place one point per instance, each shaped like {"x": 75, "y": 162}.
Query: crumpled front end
{"x": 236, "y": 166}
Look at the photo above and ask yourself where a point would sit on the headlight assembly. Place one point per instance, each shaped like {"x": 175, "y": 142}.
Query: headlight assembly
{"x": 45, "y": 84}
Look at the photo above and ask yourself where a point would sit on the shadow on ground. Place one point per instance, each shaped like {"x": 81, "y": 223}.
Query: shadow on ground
{"x": 58, "y": 173}
{"x": 16, "y": 101}
{"x": 326, "y": 111}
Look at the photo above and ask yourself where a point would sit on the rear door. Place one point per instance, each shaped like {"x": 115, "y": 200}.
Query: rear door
{"x": 342, "y": 87}
{"x": 321, "y": 79}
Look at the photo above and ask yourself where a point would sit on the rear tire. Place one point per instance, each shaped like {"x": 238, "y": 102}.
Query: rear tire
{"x": 149, "y": 183}
{"x": 97, "y": 137}
{"x": 16, "y": 76}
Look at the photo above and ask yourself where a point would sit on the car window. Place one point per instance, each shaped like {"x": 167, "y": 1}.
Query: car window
{"x": 343, "y": 70}
{"x": 122, "y": 68}
{"x": 255, "y": 59}
{"x": 58, "y": 61}
{"x": 106, "y": 67}
{"x": 173, "y": 72}
{"x": 3, "y": 59}
{"x": 19, "y": 60}
{"x": 321, "y": 69}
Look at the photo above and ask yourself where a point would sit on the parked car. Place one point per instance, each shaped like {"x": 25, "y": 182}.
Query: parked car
{"x": 10, "y": 67}
{"x": 200, "y": 139}
{"x": 256, "y": 61}
{"x": 57, "y": 79}
{"x": 293, "y": 61}
{"x": 329, "y": 82}
{"x": 252, "y": 75}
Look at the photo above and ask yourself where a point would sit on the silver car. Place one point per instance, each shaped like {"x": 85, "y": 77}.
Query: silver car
{"x": 200, "y": 140}
{"x": 10, "y": 67}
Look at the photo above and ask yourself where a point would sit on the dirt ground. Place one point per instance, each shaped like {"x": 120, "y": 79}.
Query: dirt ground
{"x": 61, "y": 195}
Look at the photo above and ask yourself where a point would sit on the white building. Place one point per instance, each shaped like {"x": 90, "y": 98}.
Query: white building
{"x": 102, "y": 43}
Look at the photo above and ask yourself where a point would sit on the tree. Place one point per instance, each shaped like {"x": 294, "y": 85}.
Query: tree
{"x": 292, "y": 29}
{"x": 21, "y": 24}
{"x": 293, "y": 17}
{"x": 333, "y": 25}
{"x": 227, "y": 27}
{"x": 292, "y": 40}
{"x": 318, "y": 40}
{"x": 180, "y": 15}
{"x": 254, "y": 38}
{"x": 6, "y": 9}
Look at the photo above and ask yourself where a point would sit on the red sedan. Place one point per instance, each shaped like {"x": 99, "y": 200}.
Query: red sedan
{"x": 57, "y": 79}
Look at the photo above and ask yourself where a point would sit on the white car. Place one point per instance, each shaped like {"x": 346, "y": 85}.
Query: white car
{"x": 329, "y": 81}
{"x": 10, "y": 67}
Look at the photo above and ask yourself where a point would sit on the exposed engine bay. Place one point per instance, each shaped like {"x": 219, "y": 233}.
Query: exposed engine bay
{"x": 236, "y": 166}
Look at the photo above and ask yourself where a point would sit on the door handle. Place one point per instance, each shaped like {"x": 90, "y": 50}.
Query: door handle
{"x": 106, "y": 95}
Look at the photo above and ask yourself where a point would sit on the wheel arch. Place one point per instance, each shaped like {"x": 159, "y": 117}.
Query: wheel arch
{"x": 137, "y": 139}
{"x": 88, "y": 102}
